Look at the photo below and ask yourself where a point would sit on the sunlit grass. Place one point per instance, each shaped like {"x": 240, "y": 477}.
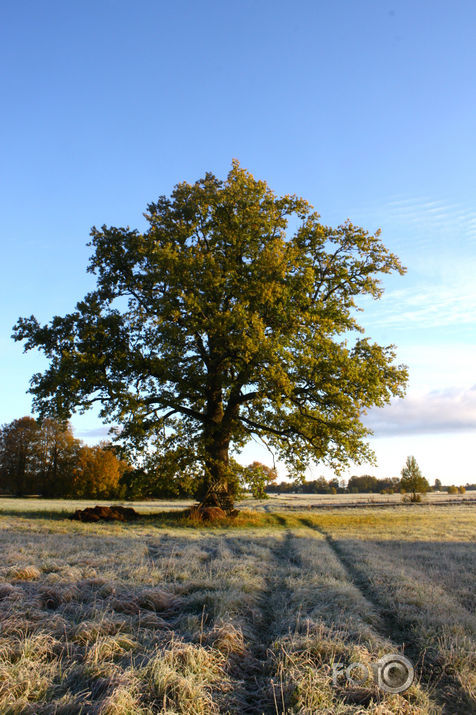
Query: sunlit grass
{"x": 405, "y": 523}
{"x": 161, "y": 616}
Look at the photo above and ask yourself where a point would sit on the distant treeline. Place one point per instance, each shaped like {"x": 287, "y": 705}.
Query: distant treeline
{"x": 365, "y": 484}
{"x": 46, "y": 459}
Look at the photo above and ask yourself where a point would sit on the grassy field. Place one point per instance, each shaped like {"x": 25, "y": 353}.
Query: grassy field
{"x": 250, "y": 617}
{"x": 275, "y": 502}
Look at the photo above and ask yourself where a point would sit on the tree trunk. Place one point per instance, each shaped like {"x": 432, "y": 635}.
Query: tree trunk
{"x": 20, "y": 480}
{"x": 216, "y": 489}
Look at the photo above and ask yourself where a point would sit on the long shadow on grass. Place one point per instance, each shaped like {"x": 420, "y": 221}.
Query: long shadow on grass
{"x": 164, "y": 519}
{"x": 406, "y": 631}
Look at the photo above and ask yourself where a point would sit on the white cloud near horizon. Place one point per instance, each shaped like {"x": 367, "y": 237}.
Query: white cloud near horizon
{"x": 437, "y": 412}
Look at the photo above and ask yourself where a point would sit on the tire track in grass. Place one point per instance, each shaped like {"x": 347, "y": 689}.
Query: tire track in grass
{"x": 389, "y": 626}
{"x": 402, "y": 633}
{"x": 428, "y": 560}
{"x": 259, "y": 695}
{"x": 251, "y": 672}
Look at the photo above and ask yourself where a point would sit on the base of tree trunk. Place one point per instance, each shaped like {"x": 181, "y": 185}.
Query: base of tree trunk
{"x": 209, "y": 514}
{"x": 219, "y": 499}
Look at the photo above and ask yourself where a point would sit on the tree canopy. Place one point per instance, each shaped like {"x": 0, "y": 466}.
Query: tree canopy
{"x": 232, "y": 316}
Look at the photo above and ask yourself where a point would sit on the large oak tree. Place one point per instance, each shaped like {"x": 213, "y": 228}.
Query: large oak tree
{"x": 233, "y": 316}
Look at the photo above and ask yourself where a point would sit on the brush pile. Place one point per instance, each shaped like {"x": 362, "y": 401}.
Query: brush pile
{"x": 105, "y": 513}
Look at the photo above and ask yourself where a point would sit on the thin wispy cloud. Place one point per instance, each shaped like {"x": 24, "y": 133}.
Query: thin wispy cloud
{"x": 445, "y": 226}
{"x": 92, "y": 433}
{"x": 436, "y": 412}
{"x": 429, "y": 306}
{"x": 436, "y": 239}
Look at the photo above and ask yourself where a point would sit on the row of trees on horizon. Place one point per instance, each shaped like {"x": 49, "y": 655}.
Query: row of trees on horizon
{"x": 365, "y": 484}
{"x": 46, "y": 459}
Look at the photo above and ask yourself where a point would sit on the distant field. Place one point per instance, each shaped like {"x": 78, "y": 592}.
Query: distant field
{"x": 306, "y": 501}
{"x": 149, "y": 617}
{"x": 274, "y": 503}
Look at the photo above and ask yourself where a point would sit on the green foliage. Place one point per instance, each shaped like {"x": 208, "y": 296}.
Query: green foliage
{"x": 412, "y": 479}
{"x": 316, "y": 486}
{"x": 452, "y": 490}
{"x": 142, "y": 484}
{"x": 364, "y": 484}
{"x": 20, "y": 456}
{"x": 218, "y": 324}
{"x": 367, "y": 484}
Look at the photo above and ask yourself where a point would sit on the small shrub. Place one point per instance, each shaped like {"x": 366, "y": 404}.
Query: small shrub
{"x": 415, "y": 498}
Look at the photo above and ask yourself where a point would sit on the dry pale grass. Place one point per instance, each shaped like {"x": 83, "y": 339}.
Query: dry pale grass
{"x": 187, "y": 678}
{"x": 26, "y": 573}
{"x": 411, "y": 523}
{"x": 156, "y": 617}
{"x": 326, "y": 619}
{"x": 425, "y": 580}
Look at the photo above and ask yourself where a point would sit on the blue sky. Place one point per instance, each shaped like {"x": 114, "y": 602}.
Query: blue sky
{"x": 367, "y": 109}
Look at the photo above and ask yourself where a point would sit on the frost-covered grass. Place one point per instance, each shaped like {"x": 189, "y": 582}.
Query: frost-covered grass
{"x": 155, "y": 616}
{"x": 274, "y": 503}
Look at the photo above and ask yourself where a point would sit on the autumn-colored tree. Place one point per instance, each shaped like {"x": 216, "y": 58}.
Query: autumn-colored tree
{"x": 256, "y": 477}
{"x": 58, "y": 454}
{"x": 218, "y": 324}
{"x": 46, "y": 459}
{"x": 97, "y": 472}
